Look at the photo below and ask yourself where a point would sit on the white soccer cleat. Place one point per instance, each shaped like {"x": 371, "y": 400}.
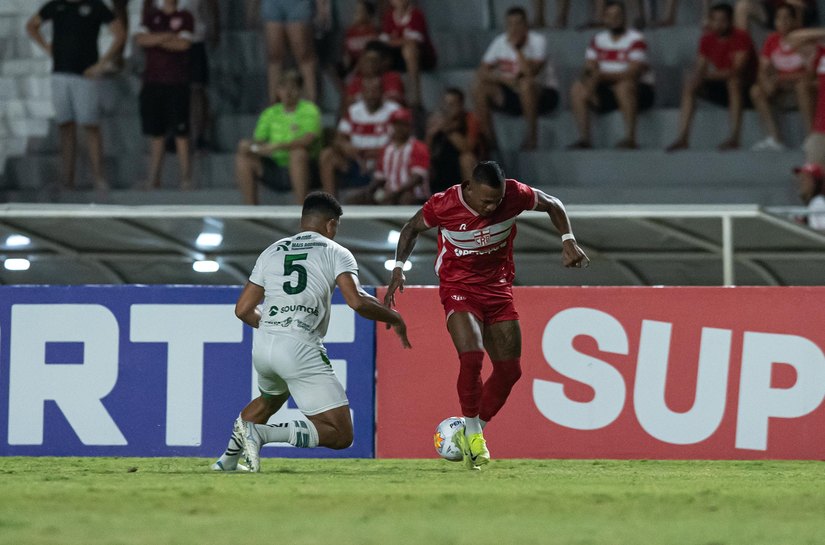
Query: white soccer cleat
{"x": 251, "y": 443}
{"x": 218, "y": 466}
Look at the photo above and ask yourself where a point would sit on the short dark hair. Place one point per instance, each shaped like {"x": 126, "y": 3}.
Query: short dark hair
{"x": 488, "y": 173}
{"x": 321, "y": 204}
{"x": 611, "y": 3}
{"x": 791, "y": 9}
{"x": 455, "y": 91}
{"x": 517, "y": 10}
{"x": 369, "y": 7}
{"x": 725, "y": 8}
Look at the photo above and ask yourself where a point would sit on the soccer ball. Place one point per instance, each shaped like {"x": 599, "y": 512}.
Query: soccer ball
{"x": 443, "y": 438}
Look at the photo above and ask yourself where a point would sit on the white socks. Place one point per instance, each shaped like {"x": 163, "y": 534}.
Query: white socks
{"x": 299, "y": 433}
{"x": 472, "y": 425}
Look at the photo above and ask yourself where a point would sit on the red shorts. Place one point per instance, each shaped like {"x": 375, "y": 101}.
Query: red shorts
{"x": 489, "y": 306}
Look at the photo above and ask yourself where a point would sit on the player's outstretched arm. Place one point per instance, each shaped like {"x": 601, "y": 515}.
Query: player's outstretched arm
{"x": 571, "y": 254}
{"x": 406, "y": 243}
{"x": 247, "y": 306}
{"x": 369, "y": 307}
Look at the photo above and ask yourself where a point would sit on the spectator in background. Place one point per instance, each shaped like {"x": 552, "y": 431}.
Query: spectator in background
{"x": 597, "y": 9}
{"x": 811, "y": 177}
{"x": 403, "y": 167}
{"x": 815, "y": 143}
{"x": 374, "y": 63}
{"x": 764, "y": 12}
{"x": 286, "y": 140}
{"x": 725, "y": 69}
{"x": 121, "y": 10}
{"x": 289, "y": 22}
{"x": 76, "y": 69}
{"x": 782, "y": 72}
{"x": 362, "y": 134}
{"x": 166, "y": 37}
{"x": 617, "y": 75}
{"x": 454, "y": 141}
{"x": 516, "y": 77}
{"x": 361, "y": 32}
{"x": 405, "y": 30}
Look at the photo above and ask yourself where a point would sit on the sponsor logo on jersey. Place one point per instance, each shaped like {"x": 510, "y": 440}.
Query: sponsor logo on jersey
{"x": 461, "y": 253}
{"x": 299, "y": 308}
{"x": 458, "y": 297}
{"x": 273, "y": 310}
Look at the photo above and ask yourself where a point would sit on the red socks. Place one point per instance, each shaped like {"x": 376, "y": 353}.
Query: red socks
{"x": 495, "y": 391}
{"x": 469, "y": 382}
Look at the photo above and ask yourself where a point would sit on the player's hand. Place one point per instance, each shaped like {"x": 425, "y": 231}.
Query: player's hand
{"x": 396, "y": 283}
{"x": 400, "y": 329}
{"x": 573, "y": 256}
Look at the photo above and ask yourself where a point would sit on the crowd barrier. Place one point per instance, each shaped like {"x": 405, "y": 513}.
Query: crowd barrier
{"x": 666, "y": 373}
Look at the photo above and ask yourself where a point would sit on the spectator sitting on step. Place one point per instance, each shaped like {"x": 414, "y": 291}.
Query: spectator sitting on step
{"x": 285, "y": 143}
{"x": 617, "y": 76}
{"x": 361, "y": 32}
{"x": 76, "y": 69}
{"x": 362, "y": 133}
{"x": 405, "y": 31}
{"x": 166, "y": 37}
{"x": 815, "y": 142}
{"x": 725, "y": 69}
{"x": 454, "y": 141}
{"x": 402, "y": 171}
{"x": 516, "y": 77}
{"x": 811, "y": 177}
{"x": 783, "y": 73}
{"x": 374, "y": 62}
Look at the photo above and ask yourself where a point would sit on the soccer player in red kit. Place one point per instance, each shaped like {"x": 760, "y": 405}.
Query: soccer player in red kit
{"x": 476, "y": 229}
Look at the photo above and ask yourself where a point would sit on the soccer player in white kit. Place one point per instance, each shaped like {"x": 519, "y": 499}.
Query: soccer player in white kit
{"x": 295, "y": 278}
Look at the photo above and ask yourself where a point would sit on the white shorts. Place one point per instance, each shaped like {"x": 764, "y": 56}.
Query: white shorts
{"x": 285, "y": 364}
{"x": 76, "y": 99}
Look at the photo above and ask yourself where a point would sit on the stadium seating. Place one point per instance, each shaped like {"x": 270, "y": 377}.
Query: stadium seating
{"x": 461, "y": 29}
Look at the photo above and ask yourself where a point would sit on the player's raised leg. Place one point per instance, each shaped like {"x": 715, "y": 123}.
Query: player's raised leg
{"x": 467, "y": 335}
{"x": 502, "y": 340}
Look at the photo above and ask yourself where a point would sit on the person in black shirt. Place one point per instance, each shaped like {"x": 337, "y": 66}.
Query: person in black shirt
{"x": 76, "y": 69}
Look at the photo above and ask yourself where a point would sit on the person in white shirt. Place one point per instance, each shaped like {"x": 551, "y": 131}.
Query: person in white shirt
{"x": 811, "y": 178}
{"x": 295, "y": 278}
{"x": 616, "y": 76}
{"x": 517, "y": 78}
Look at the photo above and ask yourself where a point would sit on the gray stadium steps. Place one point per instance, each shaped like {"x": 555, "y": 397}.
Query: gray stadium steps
{"x": 129, "y": 197}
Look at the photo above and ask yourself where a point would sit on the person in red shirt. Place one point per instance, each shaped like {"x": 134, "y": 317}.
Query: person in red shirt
{"x": 782, "y": 71}
{"x": 476, "y": 229}
{"x": 402, "y": 173}
{"x": 815, "y": 143}
{"x": 725, "y": 68}
{"x": 374, "y": 63}
{"x": 166, "y": 37}
{"x": 405, "y": 30}
{"x": 361, "y": 32}
{"x": 764, "y": 12}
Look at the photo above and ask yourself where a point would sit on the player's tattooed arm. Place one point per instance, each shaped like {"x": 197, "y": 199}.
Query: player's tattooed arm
{"x": 406, "y": 243}
{"x": 572, "y": 255}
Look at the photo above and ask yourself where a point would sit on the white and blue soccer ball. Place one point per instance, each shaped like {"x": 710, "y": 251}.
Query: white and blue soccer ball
{"x": 443, "y": 438}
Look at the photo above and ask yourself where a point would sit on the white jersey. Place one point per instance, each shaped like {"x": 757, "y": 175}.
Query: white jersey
{"x": 504, "y": 58}
{"x": 614, "y": 55}
{"x": 298, "y": 275}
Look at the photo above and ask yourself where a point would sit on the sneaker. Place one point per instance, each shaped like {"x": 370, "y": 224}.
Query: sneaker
{"x": 768, "y": 144}
{"x": 460, "y": 441}
{"x": 477, "y": 445}
{"x": 218, "y": 466}
{"x": 251, "y": 443}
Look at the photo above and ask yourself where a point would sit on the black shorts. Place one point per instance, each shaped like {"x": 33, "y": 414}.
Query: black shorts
{"x": 274, "y": 176}
{"x": 164, "y": 109}
{"x": 716, "y": 91}
{"x": 606, "y": 98}
{"x": 426, "y": 62}
{"x": 199, "y": 64}
{"x": 548, "y": 100}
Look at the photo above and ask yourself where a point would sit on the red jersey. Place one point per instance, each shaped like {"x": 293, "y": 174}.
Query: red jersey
{"x": 397, "y": 164}
{"x": 391, "y": 83}
{"x": 412, "y": 26}
{"x": 474, "y": 249}
{"x": 719, "y": 50}
{"x": 356, "y": 39}
{"x": 784, "y": 58}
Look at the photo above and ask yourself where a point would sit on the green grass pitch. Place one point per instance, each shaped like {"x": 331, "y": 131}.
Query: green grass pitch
{"x": 178, "y": 501}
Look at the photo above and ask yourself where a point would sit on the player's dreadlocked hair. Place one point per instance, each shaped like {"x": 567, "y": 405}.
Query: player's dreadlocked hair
{"x": 321, "y": 204}
{"x": 489, "y": 173}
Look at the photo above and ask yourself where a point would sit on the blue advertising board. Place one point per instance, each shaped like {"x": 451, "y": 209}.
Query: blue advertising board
{"x": 150, "y": 371}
